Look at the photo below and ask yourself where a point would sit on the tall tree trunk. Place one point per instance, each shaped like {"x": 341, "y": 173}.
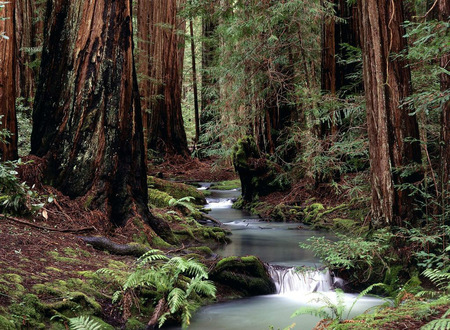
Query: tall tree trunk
{"x": 444, "y": 15}
{"x": 28, "y": 33}
{"x": 194, "y": 82}
{"x": 8, "y": 150}
{"x": 210, "y": 90}
{"x": 87, "y": 116}
{"x": 167, "y": 134}
{"x": 387, "y": 82}
{"x": 334, "y": 75}
{"x": 143, "y": 19}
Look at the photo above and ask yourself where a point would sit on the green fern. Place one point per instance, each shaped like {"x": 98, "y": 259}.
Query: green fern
{"x": 175, "y": 280}
{"x": 440, "y": 324}
{"x": 321, "y": 312}
{"x": 184, "y": 202}
{"x": 176, "y": 299}
{"x": 150, "y": 256}
{"x": 441, "y": 278}
{"x": 83, "y": 323}
{"x": 331, "y": 310}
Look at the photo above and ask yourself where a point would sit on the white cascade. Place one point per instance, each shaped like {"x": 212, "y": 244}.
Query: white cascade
{"x": 290, "y": 280}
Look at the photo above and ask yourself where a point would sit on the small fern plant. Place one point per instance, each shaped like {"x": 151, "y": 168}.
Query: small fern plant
{"x": 83, "y": 323}
{"x": 176, "y": 282}
{"x": 330, "y": 310}
{"x": 183, "y": 203}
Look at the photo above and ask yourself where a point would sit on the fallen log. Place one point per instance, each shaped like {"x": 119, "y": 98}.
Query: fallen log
{"x": 103, "y": 243}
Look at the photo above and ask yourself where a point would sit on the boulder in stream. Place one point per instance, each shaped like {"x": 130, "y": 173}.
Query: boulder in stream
{"x": 247, "y": 275}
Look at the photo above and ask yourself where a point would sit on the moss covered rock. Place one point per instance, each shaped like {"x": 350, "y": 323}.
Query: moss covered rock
{"x": 258, "y": 175}
{"x": 176, "y": 190}
{"x": 247, "y": 275}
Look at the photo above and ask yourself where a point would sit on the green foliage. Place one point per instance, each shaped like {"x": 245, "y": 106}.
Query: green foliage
{"x": 175, "y": 281}
{"x": 440, "y": 324}
{"x": 440, "y": 278}
{"x": 184, "y": 202}
{"x": 363, "y": 255}
{"x": 84, "y": 323}
{"x": 24, "y": 123}
{"x": 259, "y": 52}
{"x": 329, "y": 309}
{"x": 15, "y": 196}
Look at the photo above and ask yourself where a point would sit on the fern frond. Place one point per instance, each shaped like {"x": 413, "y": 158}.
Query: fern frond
{"x": 440, "y": 278}
{"x": 151, "y": 256}
{"x": 139, "y": 278}
{"x": 83, "y": 323}
{"x": 110, "y": 274}
{"x": 364, "y": 293}
{"x": 186, "y": 317}
{"x": 194, "y": 268}
{"x": 200, "y": 286}
{"x": 176, "y": 299}
{"x": 314, "y": 311}
{"x": 439, "y": 324}
{"x": 162, "y": 319}
{"x": 116, "y": 296}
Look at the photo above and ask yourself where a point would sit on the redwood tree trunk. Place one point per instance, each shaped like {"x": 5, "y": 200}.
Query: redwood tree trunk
{"x": 87, "y": 116}
{"x": 143, "y": 33}
{"x": 334, "y": 74}
{"x": 28, "y": 33}
{"x": 8, "y": 151}
{"x": 166, "y": 133}
{"x": 387, "y": 82}
{"x": 444, "y": 14}
{"x": 210, "y": 90}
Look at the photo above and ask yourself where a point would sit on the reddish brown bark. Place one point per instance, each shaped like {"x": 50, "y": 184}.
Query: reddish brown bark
{"x": 387, "y": 81}
{"x": 8, "y": 151}
{"x": 143, "y": 19}
{"x": 209, "y": 92}
{"x": 444, "y": 14}
{"x": 87, "y": 116}
{"x": 194, "y": 82}
{"x": 166, "y": 132}
{"x": 334, "y": 74}
{"x": 28, "y": 33}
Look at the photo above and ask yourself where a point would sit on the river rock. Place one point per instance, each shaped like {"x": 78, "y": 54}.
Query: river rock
{"x": 247, "y": 275}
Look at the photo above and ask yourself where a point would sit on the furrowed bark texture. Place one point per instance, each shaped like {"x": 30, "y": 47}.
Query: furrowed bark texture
{"x": 87, "y": 116}
{"x": 444, "y": 15}
{"x": 8, "y": 151}
{"x": 387, "y": 82}
{"x": 143, "y": 19}
{"x": 166, "y": 133}
{"x": 28, "y": 33}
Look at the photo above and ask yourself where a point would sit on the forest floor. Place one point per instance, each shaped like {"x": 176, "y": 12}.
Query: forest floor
{"x": 45, "y": 256}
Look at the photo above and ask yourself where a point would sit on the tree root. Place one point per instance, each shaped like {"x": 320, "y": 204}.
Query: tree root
{"x": 103, "y": 243}
{"x": 30, "y": 224}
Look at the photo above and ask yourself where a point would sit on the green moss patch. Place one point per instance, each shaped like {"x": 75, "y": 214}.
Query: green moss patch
{"x": 246, "y": 275}
{"x": 226, "y": 185}
{"x": 176, "y": 190}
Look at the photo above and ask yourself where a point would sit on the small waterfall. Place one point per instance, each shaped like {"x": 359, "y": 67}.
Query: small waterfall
{"x": 221, "y": 203}
{"x": 290, "y": 280}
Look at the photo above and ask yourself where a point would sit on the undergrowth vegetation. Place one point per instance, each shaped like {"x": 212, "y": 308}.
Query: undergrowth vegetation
{"x": 174, "y": 283}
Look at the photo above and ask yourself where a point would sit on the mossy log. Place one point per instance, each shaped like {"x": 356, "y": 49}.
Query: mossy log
{"x": 247, "y": 275}
{"x": 103, "y": 243}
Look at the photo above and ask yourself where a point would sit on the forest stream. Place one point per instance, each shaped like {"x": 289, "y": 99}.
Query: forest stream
{"x": 276, "y": 244}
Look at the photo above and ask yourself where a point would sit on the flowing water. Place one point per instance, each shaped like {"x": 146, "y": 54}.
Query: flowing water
{"x": 277, "y": 244}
